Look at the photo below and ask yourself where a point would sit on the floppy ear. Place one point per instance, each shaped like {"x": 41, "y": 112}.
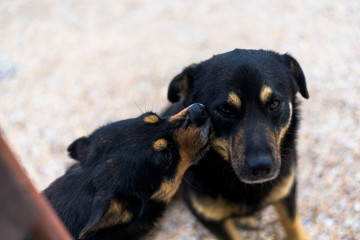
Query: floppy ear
{"x": 78, "y": 150}
{"x": 297, "y": 74}
{"x": 105, "y": 214}
{"x": 181, "y": 84}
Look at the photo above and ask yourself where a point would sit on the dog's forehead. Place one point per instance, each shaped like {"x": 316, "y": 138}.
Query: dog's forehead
{"x": 245, "y": 74}
{"x": 246, "y": 84}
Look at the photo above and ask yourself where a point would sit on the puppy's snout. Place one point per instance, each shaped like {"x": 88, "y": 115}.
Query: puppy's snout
{"x": 197, "y": 114}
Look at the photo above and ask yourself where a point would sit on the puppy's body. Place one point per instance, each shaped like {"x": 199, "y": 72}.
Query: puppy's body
{"x": 250, "y": 96}
{"x": 127, "y": 173}
{"x": 72, "y": 196}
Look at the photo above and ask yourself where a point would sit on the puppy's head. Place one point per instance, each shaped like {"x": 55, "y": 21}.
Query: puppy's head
{"x": 138, "y": 160}
{"x": 250, "y": 96}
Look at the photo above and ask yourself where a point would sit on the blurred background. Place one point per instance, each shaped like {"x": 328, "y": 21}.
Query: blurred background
{"x": 67, "y": 67}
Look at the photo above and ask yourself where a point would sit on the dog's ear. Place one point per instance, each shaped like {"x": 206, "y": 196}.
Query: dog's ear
{"x": 105, "y": 213}
{"x": 78, "y": 150}
{"x": 182, "y": 84}
{"x": 297, "y": 74}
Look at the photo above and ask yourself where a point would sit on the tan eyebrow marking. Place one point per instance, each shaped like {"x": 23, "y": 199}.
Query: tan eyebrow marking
{"x": 160, "y": 144}
{"x": 151, "y": 118}
{"x": 234, "y": 100}
{"x": 265, "y": 94}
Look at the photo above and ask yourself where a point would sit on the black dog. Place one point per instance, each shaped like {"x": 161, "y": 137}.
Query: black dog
{"x": 127, "y": 173}
{"x": 250, "y": 96}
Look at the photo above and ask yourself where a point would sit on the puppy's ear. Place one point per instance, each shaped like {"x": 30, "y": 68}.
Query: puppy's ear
{"x": 181, "y": 84}
{"x": 297, "y": 74}
{"x": 78, "y": 150}
{"x": 105, "y": 214}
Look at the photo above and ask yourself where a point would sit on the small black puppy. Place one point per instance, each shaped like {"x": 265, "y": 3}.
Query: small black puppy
{"x": 127, "y": 173}
{"x": 251, "y": 99}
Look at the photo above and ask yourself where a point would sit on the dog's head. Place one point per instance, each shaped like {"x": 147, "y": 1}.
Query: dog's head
{"x": 250, "y": 96}
{"x": 134, "y": 161}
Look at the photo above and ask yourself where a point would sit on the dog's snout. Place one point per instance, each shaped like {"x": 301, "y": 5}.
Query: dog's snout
{"x": 259, "y": 166}
{"x": 197, "y": 114}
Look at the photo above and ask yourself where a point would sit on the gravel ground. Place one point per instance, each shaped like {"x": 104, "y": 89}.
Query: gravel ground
{"x": 67, "y": 67}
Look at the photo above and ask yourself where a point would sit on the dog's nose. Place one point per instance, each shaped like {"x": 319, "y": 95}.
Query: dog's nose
{"x": 197, "y": 113}
{"x": 259, "y": 166}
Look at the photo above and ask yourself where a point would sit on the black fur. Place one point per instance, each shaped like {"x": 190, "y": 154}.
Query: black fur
{"x": 246, "y": 166}
{"x": 111, "y": 192}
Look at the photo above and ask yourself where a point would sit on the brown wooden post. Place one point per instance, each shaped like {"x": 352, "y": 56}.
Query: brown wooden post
{"x": 23, "y": 210}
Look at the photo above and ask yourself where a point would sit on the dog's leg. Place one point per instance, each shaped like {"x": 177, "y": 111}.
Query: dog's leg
{"x": 247, "y": 223}
{"x": 289, "y": 217}
{"x": 224, "y": 230}
{"x": 215, "y": 216}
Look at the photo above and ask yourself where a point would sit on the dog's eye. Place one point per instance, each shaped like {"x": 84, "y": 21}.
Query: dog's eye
{"x": 164, "y": 160}
{"x": 225, "y": 111}
{"x": 275, "y": 103}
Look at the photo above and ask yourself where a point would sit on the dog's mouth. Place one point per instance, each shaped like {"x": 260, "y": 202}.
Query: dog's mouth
{"x": 203, "y": 139}
{"x": 197, "y": 121}
{"x": 194, "y": 132}
{"x": 200, "y": 139}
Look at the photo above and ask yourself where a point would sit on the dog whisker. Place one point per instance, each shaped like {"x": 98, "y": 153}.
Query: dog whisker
{"x": 138, "y": 107}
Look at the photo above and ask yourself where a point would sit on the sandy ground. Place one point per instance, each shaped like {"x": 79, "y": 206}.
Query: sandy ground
{"x": 67, "y": 67}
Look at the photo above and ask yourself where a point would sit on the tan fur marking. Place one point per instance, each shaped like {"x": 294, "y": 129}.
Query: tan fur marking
{"x": 276, "y": 137}
{"x": 119, "y": 212}
{"x": 274, "y": 141}
{"x": 190, "y": 142}
{"x": 282, "y": 189}
{"x": 216, "y": 209}
{"x": 169, "y": 187}
{"x": 221, "y": 146}
{"x": 292, "y": 66}
{"x": 286, "y": 127}
{"x": 183, "y": 87}
{"x": 238, "y": 148}
{"x": 294, "y": 229}
{"x": 160, "y": 144}
{"x": 115, "y": 214}
{"x": 151, "y": 119}
{"x": 179, "y": 115}
{"x": 248, "y": 222}
{"x": 234, "y": 100}
{"x": 265, "y": 94}
{"x": 231, "y": 229}
{"x": 166, "y": 191}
